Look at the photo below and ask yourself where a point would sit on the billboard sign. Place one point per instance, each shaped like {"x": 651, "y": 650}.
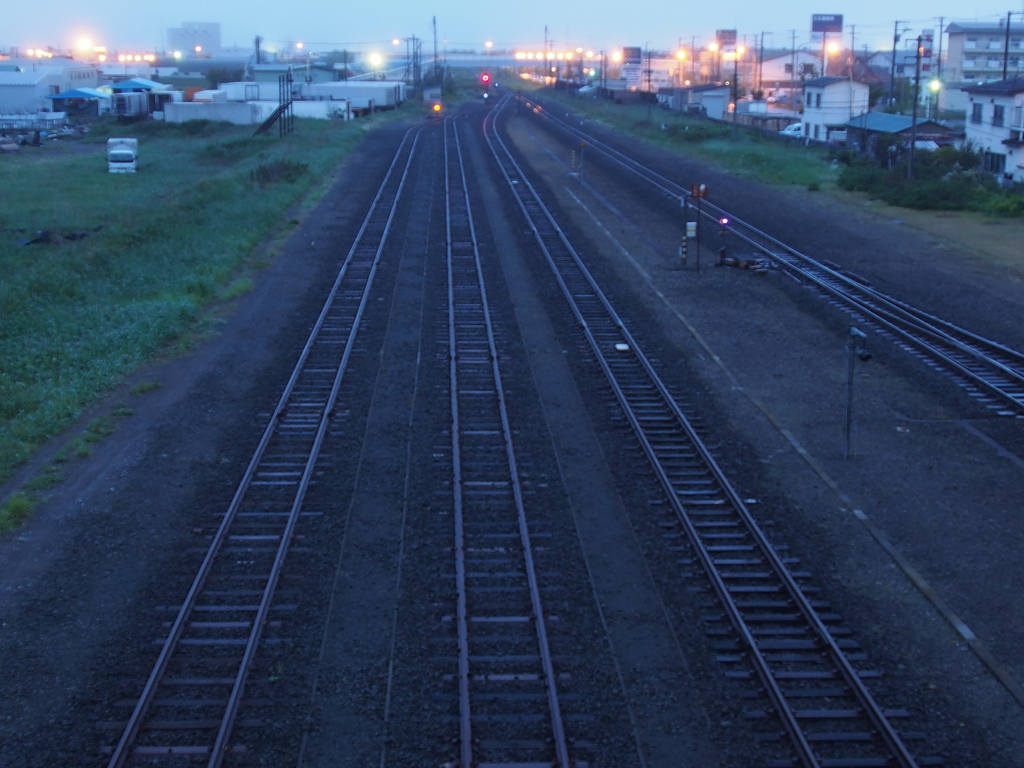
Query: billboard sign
{"x": 725, "y": 37}
{"x": 632, "y": 59}
{"x": 827, "y": 22}
{"x": 632, "y": 55}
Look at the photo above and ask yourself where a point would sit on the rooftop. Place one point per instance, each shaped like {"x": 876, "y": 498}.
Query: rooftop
{"x": 1007, "y": 87}
{"x": 884, "y": 122}
{"x": 821, "y": 82}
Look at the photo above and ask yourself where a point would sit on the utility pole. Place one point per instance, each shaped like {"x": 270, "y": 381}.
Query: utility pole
{"x": 760, "y": 66}
{"x": 434, "y": 23}
{"x": 913, "y": 124}
{"x": 258, "y": 41}
{"x": 792, "y": 74}
{"x": 1006, "y": 47}
{"x": 892, "y": 73}
{"x": 852, "y": 60}
{"x": 942, "y": 19}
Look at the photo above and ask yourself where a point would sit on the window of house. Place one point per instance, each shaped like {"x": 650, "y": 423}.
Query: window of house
{"x": 971, "y": 42}
{"x": 789, "y": 69}
{"x": 817, "y": 103}
{"x": 807, "y": 69}
{"x": 1015, "y": 43}
{"x": 998, "y": 115}
{"x": 976, "y": 113}
{"x": 995, "y": 44}
{"x": 816, "y": 129}
{"x": 994, "y": 163}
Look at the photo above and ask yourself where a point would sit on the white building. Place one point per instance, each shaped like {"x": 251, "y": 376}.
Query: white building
{"x": 995, "y": 126}
{"x": 778, "y": 67}
{"x": 978, "y": 50}
{"x": 831, "y": 102}
{"x": 25, "y": 83}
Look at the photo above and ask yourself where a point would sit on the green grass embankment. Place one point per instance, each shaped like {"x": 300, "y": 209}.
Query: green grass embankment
{"x": 161, "y": 245}
{"x": 749, "y": 154}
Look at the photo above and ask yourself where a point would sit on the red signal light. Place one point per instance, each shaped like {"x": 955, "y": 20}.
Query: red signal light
{"x": 485, "y": 78}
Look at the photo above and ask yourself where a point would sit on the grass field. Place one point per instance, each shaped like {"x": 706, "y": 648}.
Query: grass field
{"x": 160, "y": 246}
{"x": 750, "y": 155}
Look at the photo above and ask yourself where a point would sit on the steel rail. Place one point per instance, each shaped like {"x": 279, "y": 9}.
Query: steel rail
{"x": 562, "y": 759}
{"x": 850, "y": 676}
{"x": 944, "y": 339}
{"x": 122, "y": 751}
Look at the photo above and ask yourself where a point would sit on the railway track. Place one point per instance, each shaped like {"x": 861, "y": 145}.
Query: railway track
{"x": 991, "y": 372}
{"x": 508, "y": 681}
{"x": 189, "y": 706}
{"x": 803, "y": 665}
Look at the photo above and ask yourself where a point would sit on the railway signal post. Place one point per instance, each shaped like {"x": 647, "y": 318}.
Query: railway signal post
{"x": 856, "y": 347}
{"x": 697, "y": 192}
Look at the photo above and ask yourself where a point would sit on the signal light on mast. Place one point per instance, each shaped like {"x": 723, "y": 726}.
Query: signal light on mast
{"x": 485, "y": 78}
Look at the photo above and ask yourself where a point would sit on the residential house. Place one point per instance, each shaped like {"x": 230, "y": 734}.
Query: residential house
{"x": 863, "y": 131}
{"x": 995, "y": 126}
{"x": 776, "y": 71}
{"x": 829, "y": 103}
{"x": 712, "y": 100}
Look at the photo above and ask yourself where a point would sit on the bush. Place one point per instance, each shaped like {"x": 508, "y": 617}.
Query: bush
{"x": 696, "y": 132}
{"x": 278, "y": 170}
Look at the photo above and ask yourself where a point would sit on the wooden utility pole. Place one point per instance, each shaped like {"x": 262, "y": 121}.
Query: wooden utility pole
{"x": 913, "y": 124}
{"x": 792, "y": 74}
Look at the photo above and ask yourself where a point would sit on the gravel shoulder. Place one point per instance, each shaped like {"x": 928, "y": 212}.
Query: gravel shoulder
{"x": 932, "y": 470}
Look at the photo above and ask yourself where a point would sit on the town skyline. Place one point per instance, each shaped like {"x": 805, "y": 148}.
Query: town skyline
{"x": 507, "y": 28}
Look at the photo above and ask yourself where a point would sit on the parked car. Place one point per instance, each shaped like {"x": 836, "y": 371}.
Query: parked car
{"x": 793, "y": 129}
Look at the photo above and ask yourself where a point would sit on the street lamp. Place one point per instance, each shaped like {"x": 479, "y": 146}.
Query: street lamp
{"x": 740, "y": 50}
{"x": 831, "y": 48}
{"x": 714, "y": 48}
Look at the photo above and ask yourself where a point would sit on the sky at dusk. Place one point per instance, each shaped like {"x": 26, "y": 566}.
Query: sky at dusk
{"x": 592, "y": 23}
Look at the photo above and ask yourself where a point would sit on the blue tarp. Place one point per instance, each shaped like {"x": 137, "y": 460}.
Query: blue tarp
{"x": 138, "y": 84}
{"x": 80, "y": 93}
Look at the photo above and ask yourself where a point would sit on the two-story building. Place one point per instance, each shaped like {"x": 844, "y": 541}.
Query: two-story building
{"x": 831, "y": 102}
{"x": 995, "y": 126}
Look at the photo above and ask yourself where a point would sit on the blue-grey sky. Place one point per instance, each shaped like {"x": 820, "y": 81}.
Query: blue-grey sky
{"x": 516, "y": 23}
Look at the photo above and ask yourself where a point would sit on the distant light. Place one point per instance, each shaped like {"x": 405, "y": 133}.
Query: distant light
{"x": 590, "y": 54}
{"x": 579, "y": 50}
{"x": 488, "y": 44}
{"x": 177, "y": 54}
{"x": 31, "y": 51}
{"x": 560, "y": 56}
{"x": 120, "y": 58}
{"x": 138, "y": 58}
{"x": 84, "y": 44}
{"x": 687, "y": 82}
{"x": 740, "y": 50}
{"x": 540, "y": 55}
{"x": 680, "y": 55}
{"x": 199, "y": 49}
{"x": 103, "y": 57}
{"x": 617, "y": 56}
{"x": 551, "y": 55}
{"x": 299, "y": 46}
{"x": 396, "y": 41}
{"x": 935, "y": 86}
{"x": 149, "y": 57}
{"x": 376, "y": 59}
{"x": 833, "y": 47}
{"x": 713, "y": 47}
{"x": 724, "y": 221}
{"x": 437, "y": 107}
